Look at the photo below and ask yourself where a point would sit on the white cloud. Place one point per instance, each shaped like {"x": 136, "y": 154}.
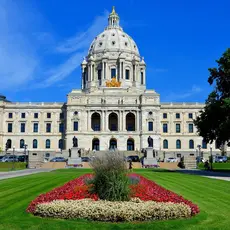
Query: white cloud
{"x": 77, "y": 48}
{"x": 25, "y": 43}
{"x": 186, "y": 94}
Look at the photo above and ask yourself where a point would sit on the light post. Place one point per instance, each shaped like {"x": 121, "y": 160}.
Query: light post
{"x": 13, "y": 157}
{"x": 211, "y": 159}
{"x": 25, "y": 147}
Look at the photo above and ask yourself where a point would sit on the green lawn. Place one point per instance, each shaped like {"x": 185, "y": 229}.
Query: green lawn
{"x": 8, "y": 166}
{"x": 217, "y": 166}
{"x": 212, "y": 196}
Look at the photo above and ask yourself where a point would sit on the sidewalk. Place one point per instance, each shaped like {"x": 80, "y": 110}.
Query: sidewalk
{"x": 208, "y": 174}
{"x": 24, "y": 172}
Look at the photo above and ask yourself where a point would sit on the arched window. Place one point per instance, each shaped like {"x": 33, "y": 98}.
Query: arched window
{"x": 9, "y": 143}
{"x": 96, "y": 122}
{"x": 178, "y": 144}
{"x": 204, "y": 145}
{"x": 113, "y": 122}
{"x": 130, "y": 122}
{"x": 165, "y": 144}
{"x": 130, "y": 144}
{"x": 191, "y": 144}
{"x": 47, "y": 144}
{"x": 113, "y": 143}
{"x": 22, "y": 143}
{"x": 60, "y": 144}
{"x": 96, "y": 144}
{"x": 35, "y": 144}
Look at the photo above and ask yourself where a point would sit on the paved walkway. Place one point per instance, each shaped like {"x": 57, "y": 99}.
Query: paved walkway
{"x": 24, "y": 172}
{"x": 209, "y": 174}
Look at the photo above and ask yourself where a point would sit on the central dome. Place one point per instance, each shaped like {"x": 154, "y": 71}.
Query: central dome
{"x": 113, "y": 39}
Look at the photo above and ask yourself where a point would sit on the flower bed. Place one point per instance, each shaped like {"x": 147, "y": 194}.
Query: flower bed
{"x": 141, "y": 188}
{"x": 133, "y": 210}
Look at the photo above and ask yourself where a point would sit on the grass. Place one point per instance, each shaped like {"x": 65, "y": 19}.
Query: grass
{"x": 217, "y": 166}
{"x": 212, "y": 196}
{"x": 7, "y": 166}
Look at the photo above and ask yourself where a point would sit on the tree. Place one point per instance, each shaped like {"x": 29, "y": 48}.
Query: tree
{"x": 213, "y": 123}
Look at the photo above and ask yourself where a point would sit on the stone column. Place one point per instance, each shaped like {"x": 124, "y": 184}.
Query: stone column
{"x": 88, "y": 120}
{"x": 102, "y": 120}
{"x": 137, "y": 121}
{"x": 106, "y": 121}
{"x": 124, "y": 121}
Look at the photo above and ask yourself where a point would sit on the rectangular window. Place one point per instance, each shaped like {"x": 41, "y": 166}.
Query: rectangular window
{"x": 75, "y": 126}
{"x": 35, "y": 115}
{"x": 113, "y": 73}
{"x": 48, "y": 127}
{"x": 177, "y": 128}
{"x": 99, "y": 74}
{"x": 23, "y": 115}
{"x": 127, "y": 74}
{"x": 164, "y": 115}
{"x": 10, "y": 127}
{"x": 150, "y": 126}
{"x": 190, "y": 116}
{"x": 10, "y": 115}
{"x": 165, "y": 128}
{"x": 61, "y": 128}
{"x": 142, "y": 78}
{"x": 35, "y": 127}
{"x": 23, "y": 127}
{"x": 61, "y": 116}
{"x": 177, "y": 116}
{"x": 190, "y": 128}
{"x": 48, "y": 115}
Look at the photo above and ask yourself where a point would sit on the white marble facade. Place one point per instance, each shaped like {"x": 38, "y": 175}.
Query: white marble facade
{"x": 103, "y": 117}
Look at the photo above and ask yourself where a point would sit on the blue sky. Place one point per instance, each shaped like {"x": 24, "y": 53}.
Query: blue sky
{"x": 42, "y": 44}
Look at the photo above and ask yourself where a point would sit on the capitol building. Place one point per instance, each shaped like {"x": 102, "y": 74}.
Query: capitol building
{"x": 113, "y": 109}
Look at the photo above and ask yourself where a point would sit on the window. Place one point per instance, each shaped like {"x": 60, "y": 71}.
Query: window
{"x": 150, "y": 126}
{"x": 165, "y": 128}
{"x": 191, "y": 144}
{"x": 190, "y": 115}
{"x": 61, "y": 128}
{"x": 48, "y": 115}
{"x": 23, "y": 127}
{"x": 10, "y": 127}
{"x": 22, "y": 144}
{"x": 47, "y": 144}
{"x": 164, "y": 115}
{"x": 10, "y": 115}
{"x": 113, "y": 73}
{"x": 48, "y": 127}
{"x": 35, "y": 127}
{"x": 9, "y": 144}
{"x": 204, "y": 145}
{"x": 127, "y": 74}
{"x": 217, "y": 145}
{"x": 142, "y": 78}
{"x": 60, "y": 144}
{"x": 35, "y": 115}
{"x": 35, "y": 144}
{"x": 99, "y": 74}
{"x": 75, "y": 126}
{"x": 177, "y": 128}
{"x": 178, "y": 144}
{"x": 61, "y": 116}
{"x": 177, "y": 116}
{"x": 23, "y": 115}
{"x": 190, "y": 128}
{"x": 165, "y": 144}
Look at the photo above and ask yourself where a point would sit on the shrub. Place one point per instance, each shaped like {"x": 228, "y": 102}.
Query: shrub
{"x": 110, "y": 181}
{"x": 134, "y": 210}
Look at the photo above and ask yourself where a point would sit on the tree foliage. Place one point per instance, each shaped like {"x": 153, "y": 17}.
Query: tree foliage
{"x": 213, "y": 123}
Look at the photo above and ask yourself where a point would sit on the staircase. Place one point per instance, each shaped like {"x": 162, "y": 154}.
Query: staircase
{"x": 190, "y": 162}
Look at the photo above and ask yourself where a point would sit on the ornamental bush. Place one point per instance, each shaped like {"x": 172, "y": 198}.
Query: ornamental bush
{"x": 110, "y": 181}
{"x": 101, "y": 210}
